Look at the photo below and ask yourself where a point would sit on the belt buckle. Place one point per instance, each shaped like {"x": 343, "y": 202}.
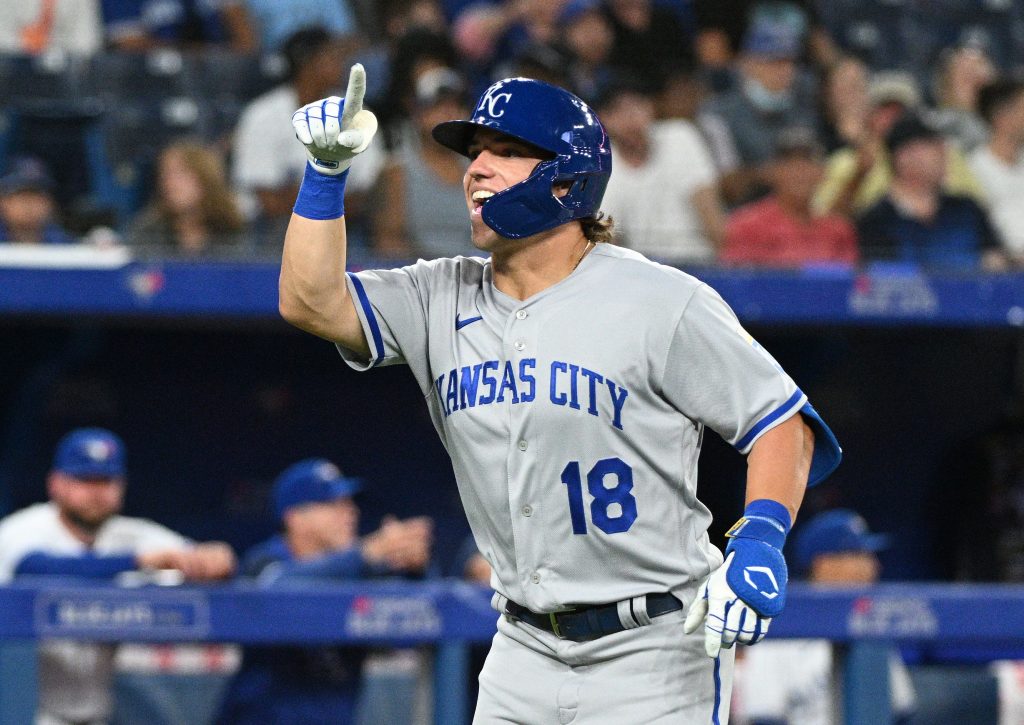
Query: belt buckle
{"x": 553, "y": 617}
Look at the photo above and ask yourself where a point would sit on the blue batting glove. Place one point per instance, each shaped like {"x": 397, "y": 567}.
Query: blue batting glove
{"x": 335, "y": 130}
{"x": 737, "y": 602}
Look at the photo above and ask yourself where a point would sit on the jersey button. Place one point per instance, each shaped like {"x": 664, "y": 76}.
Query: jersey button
{"x": 535, "y": 578}
{"x": 523, "y": 445}
{"x": 527, "y": 511}
{"x": 522, "y": 314}
{"x": 519, "y": 345}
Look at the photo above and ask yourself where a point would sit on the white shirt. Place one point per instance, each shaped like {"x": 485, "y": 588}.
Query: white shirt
{"x": 1009, "y": 676}
{"x": 1003, "y": 185}
{"x": 652, "y": 204}
{"x": 267, "y": 155}
{"x": 792, "y": 681}
{"x": 75, "y": 677}
{"x": 75, "y": 25}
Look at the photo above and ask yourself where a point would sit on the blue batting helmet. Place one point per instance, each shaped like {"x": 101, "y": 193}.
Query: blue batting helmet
{"x": 553, "y": 120}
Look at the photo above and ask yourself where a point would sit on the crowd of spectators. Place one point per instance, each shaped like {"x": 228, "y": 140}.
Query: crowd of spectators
{"x": 747, "y": 132}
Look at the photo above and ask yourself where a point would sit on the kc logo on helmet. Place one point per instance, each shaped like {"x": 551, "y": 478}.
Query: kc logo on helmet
{"x": 764, "y": 572}
{"x": 493, "y": 101}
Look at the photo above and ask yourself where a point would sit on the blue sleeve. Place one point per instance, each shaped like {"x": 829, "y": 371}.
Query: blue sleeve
{"x": 121, "y": 19}
{"x": 874, "y": 230}
{"x": 989, "y": 237}
{"x": 87, "y": 565}
{"x": 347, "y": 564}
{"x": 827, "y": 452}
{"x": 119, "y": 11}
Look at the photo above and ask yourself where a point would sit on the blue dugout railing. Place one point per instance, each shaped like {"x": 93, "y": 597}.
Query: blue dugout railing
{"x": 452, "y": 616}
{"x": 85, "y": 281}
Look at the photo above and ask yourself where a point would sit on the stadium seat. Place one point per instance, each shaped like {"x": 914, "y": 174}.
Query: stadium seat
{"x": 134, "y": 133}
{"x": 992, "y": 25}
{"x": 911, "y": 35}
{"x": 226, "y": 82}
{"x": 60, "y": 135}
{"x": 237, "y": 76}
{"x": 870, "y": 29}
{"x": 163, "y": 72}
{"x": 68, "y": 138}
{"x": 55, "y": 76}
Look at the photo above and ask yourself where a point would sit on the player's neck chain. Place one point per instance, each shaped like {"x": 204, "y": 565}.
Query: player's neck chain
{"x": 585, "y": 250}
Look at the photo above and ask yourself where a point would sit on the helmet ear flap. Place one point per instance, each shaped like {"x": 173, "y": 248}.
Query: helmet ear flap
{"x": 575, "y": 188}
{"x": 585, "y": 194}
{"x": 529, "y": 207}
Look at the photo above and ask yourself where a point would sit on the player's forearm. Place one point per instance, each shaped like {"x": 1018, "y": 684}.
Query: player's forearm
{"x": 313, "y": 293}
{"x": 779, "y": 463}
{"x": 312, "y": 284}
{"x": 738, "y": 601}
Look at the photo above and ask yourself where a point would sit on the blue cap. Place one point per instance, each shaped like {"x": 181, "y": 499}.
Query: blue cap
{"x": 90, "y": 453}
{"x": 314, "y": 480}
{"x": 575, "y": 8}
{"x": 26, "y": 173}
{"x": 772, "y": 39}
{"x": 834, "y": 532}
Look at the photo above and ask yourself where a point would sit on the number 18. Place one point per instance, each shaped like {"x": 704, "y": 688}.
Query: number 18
{"x": 606, "y": 500}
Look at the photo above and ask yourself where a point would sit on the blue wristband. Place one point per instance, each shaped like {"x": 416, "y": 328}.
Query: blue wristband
{"x": 767, "y": 508}
{"x": 764, "y": 520}
{"x": 321, "y": 196}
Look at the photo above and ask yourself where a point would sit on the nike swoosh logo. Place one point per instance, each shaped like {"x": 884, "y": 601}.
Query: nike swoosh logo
{"x": 459, "y": 324}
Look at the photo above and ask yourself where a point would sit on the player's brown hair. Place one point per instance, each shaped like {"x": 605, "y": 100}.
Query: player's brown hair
{"x": 599, "y": 228}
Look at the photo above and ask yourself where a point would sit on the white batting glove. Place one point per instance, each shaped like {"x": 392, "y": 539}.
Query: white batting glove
{"x": 334, "y": 130}
{"x": 737, "y": 601}
{"x": 727, "y": 619}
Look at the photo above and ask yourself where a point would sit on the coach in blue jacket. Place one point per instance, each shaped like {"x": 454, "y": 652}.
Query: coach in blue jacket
{"x": 319, "y": 542}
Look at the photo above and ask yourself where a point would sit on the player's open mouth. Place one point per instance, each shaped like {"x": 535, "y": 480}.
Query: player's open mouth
{"x": 480, "y": 196}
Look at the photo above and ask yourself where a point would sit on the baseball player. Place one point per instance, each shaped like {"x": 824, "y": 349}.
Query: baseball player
{"x": 570, "y": 381}
{"x": 80, "y": 533}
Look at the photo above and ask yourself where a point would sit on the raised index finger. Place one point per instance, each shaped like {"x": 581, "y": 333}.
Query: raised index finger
{"x": 354, "y": 95}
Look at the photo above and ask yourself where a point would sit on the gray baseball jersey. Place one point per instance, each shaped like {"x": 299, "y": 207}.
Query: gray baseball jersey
{"x": 75, "y": 678}
{"x": 574, "y": 418}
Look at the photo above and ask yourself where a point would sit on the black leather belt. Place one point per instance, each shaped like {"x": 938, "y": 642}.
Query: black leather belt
{"x": 586, "y": 623}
